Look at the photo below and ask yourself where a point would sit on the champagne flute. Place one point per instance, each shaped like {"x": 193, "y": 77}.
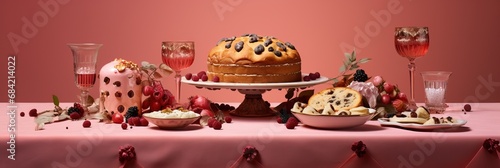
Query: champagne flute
{"x": 178, "y": 55}
{"x": 84, "y": 63}
{"x": 412, "y": 43}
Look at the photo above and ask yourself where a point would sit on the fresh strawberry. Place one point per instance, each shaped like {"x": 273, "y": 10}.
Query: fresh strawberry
{"x": 399, "y": 105}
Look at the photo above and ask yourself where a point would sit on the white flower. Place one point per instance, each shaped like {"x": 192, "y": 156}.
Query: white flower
{"x": 368, "y": 90}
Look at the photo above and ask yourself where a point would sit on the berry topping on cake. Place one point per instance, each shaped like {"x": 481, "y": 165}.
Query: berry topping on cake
{"x": 239, "y": 46}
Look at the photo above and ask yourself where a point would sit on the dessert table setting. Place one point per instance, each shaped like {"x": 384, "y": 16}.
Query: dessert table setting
{"x": 360, "y": 121}
{"x": 68, "y": 144}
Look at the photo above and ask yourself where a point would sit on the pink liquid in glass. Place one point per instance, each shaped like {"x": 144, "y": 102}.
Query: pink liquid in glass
{"x": 412, "y": 49}
{"x": 85, "y": 80}
{"x": 178, "y": 63}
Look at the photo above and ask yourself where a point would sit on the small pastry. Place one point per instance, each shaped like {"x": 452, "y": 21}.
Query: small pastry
{"x": 328, "y": 110}
{"x": 310, "y": 110}
{"x": 359, "y": 111}
{"x": 422, "y": 112}
{"x": 298, "y": 107}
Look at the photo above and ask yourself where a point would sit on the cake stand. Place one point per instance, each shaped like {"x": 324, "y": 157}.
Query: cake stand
{"x": 253, "y": 105}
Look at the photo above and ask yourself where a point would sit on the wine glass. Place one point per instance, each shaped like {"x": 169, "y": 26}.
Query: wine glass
{"x": 84, "y": 63}
{"x": 178, "y": 55}
{"x": 412, "y": 43}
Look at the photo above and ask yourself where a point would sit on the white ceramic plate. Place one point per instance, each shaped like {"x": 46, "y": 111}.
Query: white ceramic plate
{"x": 226, "y": 85}
{"x": 333, "y": 121}
{"x": 387, "y": 122}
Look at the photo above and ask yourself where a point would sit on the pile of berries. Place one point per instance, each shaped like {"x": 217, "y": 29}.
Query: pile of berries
{"x": 285, "y": 117}
{"x": 131, "y": 112}
{"x": 76, "y": 111}
{"x": 159, "y": 98}
{"x": 136, "y": 121}
{"x": 217, "y": 124}
{"x": 224, "y": 107}
{"x": 311, "y": 76}
{"x": 360, "y": 76}
{"x": 202, "y": 75}
{"x": 290, "y": 123}
{"x": 390, "y": 94}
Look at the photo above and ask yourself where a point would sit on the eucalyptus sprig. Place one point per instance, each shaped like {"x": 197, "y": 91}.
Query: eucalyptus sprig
{"x": 351, "y": 63}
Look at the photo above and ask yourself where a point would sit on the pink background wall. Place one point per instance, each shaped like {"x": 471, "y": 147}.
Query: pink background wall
{"x": 464, "y": 39}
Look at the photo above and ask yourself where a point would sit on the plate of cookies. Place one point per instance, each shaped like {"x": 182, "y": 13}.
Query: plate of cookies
{"x": 421, "y": 120}
{"x": 333, "y": 108}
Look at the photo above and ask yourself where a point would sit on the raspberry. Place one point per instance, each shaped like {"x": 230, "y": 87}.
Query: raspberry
{"x": 86, "y": 124}
{"x": 293, "y": 120}
{"x": 306, "y": 78}
{"x": 216, "y": 79}
{"x": 360, "y": 76}
{"x": 210, "y": 122}
{"x": 217, "y": 125}
{"x": 33, "y": 113}
{"x": 201, "y": 73}
{"x": 228, "y": 119}
{"x": 312, "y": 76}
{"x": 317, "y": 74}
{"x": 134, "y": 121}
{"x": 189, "y": 76}
{"x": 124, "y": 126}
{"x": 143, "y": 121}
{"x": 290, "y": 124}
{"x": 196, "y": 78}
{"x": 279, "y": 120}
{"x": 204, "y": 78}
{"x": 74, "y": 116}
{"x": 22, "y": 114}
{"x": 467, "y": 107}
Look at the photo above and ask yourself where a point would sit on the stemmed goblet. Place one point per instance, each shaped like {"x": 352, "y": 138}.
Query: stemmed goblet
{"x": 84, "y": 64}
{"x": 412, "y": 43}
{"x": 178, "y": 55}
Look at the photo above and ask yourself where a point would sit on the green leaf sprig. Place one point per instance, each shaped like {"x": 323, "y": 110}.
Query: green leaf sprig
{"x": 351, "y": 63}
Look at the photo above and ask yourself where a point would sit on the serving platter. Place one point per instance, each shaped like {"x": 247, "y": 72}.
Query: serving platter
{"x": 416, "y": 126}
{"x": 265, "y": 86}
{"x": 253, "y": 105}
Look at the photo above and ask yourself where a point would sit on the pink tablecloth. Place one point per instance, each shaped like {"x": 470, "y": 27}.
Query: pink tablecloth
{"x": 303, "y": 146}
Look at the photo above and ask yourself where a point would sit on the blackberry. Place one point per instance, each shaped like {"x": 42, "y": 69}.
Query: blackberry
{"x": 131, "y": 112}
{"x": 72, "y": 110}
{"x": 360, "y": 76}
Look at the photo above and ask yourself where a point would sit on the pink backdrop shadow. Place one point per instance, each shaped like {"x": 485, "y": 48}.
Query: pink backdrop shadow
{"x": 463, "y": 39}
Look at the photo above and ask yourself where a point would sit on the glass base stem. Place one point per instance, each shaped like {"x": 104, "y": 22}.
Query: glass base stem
{"x": 178, "y": 86}
{"x": 411, "y": 103}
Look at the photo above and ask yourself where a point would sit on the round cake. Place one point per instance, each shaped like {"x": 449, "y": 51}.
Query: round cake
{"x": 120, "y": 85}
{"x": 254, "y": 59}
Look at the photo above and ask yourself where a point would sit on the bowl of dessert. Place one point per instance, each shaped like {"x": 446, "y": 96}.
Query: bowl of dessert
{"x": 333, "y": 108}
{"x": 172, "y": 118}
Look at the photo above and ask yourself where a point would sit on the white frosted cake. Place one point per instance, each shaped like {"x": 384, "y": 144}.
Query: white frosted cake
{"x": 120, "y": 86}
